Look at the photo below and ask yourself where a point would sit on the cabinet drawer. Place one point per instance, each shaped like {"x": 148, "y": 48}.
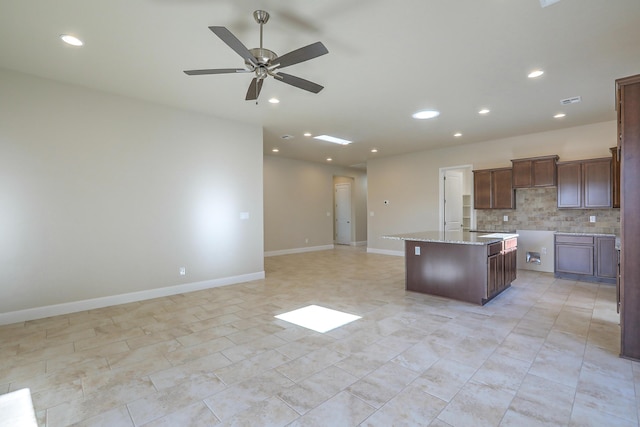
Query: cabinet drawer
{"x": 581, "y": 240}
{"x": 510, "y": 244}
{"x": 494, "y": 248}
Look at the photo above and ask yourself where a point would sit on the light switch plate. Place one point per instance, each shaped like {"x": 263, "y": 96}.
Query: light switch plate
{"x": 505, "y": 218}
{"x": 417, "y": 250}
{"x": 592, "y": 218}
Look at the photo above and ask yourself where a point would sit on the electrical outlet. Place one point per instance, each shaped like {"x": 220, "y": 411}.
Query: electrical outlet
{"x": 592, "y": 218}
{"x": 183, "y": 271}
{"x": 417, "y": 250}
{"x": 505, "y": 218}
{"x": 306, "y": 240}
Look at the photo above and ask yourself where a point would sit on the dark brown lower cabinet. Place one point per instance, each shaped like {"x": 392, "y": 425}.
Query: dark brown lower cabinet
{"x": 590, "y": 258}
{"x": 501, "y": 266}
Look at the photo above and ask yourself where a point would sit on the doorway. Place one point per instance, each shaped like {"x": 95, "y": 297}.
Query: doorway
{"x": 342, "y": 202}
{"x": 456, "y": 212}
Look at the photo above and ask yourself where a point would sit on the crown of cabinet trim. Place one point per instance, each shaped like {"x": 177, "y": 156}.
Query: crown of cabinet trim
{"x": 535, "y": 172}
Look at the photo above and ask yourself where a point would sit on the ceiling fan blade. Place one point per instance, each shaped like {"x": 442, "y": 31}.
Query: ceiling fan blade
{"x": 299, "y": 83}
{"x": 216, "y": 71}
{"x": 233, "y": 42}
{"x": 300, "y": 55}
{"x": 254, "y": 89}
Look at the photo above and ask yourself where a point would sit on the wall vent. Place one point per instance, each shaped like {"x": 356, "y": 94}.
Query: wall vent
{"x": 573, "y": 100}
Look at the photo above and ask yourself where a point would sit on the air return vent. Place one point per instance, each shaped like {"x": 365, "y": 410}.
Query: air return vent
{"x": 573, "y": 100}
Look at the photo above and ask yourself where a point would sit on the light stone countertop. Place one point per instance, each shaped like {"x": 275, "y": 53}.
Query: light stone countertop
{"x": 458, "y": 237}
{"x": 570, "y": 233}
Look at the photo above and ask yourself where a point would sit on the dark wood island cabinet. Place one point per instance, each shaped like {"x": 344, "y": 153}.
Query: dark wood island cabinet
{"x": 466, "y": 266}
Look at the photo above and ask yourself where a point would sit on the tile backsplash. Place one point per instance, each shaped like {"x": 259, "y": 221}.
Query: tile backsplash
{"x": 536, "y": 209}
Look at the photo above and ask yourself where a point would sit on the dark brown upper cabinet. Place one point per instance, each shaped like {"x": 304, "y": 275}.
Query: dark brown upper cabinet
{"x": 535, "y": 172}
{"x": 492, "y": 189}
{"x": 584, "y": 184}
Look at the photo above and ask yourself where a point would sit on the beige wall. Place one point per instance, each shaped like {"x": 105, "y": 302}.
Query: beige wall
{"x": 102, "y": 195}
{"x": 410, "y": 182}
{"x": 298, "y": 196}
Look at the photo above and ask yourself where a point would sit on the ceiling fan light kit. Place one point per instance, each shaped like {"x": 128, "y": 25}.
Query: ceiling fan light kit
{"x": 264, "y": 62}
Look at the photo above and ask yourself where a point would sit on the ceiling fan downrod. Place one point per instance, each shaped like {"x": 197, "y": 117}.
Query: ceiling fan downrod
{"x": 261, "y": 17}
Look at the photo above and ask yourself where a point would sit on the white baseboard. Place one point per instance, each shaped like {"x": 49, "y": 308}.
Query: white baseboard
{"x": 362, "y": 243}
{"x": 299, "y": 250}
{"x": 90, "y": 304}
{"x": 384, "y": 252}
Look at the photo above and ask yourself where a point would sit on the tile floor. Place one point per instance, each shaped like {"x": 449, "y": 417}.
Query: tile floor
{"x": 545, "y": 352}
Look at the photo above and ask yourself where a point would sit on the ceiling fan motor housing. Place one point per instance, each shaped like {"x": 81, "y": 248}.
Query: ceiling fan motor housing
{"x": 262, "y": 56}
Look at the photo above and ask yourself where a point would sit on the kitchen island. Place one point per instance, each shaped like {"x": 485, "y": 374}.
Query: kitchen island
{"x": 467, "y": 266}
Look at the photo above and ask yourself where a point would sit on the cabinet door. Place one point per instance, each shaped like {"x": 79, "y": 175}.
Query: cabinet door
{"x": 482, "y": 189}
{"x": 496, "y": 274}
{"x": 570, "y": 185}
{"x": 606, "y": 257}
{"x": 502, "y": 189}
{"x": 521, "y": 174}
{"x": 510, "y": 265}
{"x": 597, "y": 183}
{"x": 544, "y": 172}
{"x": 574, "y": 259}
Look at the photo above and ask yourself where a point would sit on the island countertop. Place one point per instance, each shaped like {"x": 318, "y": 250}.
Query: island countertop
{"x": 457, "y": 237}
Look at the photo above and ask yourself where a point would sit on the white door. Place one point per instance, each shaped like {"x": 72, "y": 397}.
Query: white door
{"x": 453, "y": 200}
{"x": 343, "y": 213}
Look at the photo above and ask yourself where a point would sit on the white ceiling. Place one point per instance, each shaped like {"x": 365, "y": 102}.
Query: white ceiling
{"x": 386, "y": 60}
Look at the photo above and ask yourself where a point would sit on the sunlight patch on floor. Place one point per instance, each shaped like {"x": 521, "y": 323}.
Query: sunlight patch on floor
{"x": 319, "y": 319}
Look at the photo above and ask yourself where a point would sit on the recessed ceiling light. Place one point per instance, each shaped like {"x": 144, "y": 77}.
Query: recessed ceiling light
{"x": 333, "y": 139}
{"x": 307, "y": 134}
{"x": 329, "y": 159}
{"x": 275, "y": 150}
{"x": 374, "y": 150}
{"x": 484, "y": 111}
{"x": 426, "y": 114}
{"x": 535, "y": 73}
{"x": 559, "y": 116}
{"x": 274, "y": 100}
{"x": 69, "y": 39}
{"x": 457, "y": 135}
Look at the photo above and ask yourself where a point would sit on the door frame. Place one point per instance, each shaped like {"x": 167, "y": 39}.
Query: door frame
{"x": 467, "y": 169}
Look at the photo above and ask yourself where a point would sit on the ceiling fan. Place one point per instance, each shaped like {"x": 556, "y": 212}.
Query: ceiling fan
{"x": 264, "y": 62}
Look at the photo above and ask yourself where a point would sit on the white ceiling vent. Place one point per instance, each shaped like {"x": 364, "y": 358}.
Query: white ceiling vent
{"x": 545, "y": 3}
{"x": 573, "y": 100}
